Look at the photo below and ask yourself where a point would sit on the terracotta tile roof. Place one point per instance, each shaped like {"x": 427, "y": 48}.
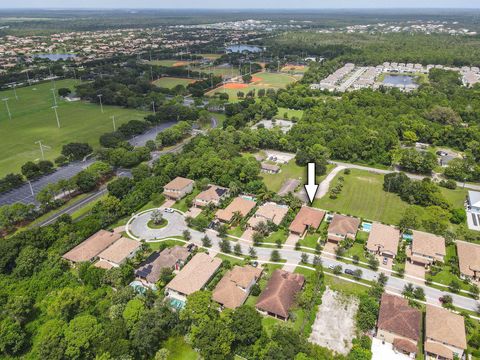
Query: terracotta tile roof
{"x": 213, "y": 193}
{"x": 384, "y": 237}
{"x": 397, "y": 317}
{"x": 468, "y": 257}
{"x": 444, "y": 326}
{"x": 269, "y": 211}
{"x": 90, "y": 248}
{"x": 279, "y": 294}
{"x": 195, "y": 274}
{"x": 343, "y": 225}
{"x": 230, "y": 290}
{"x": 306, "y": 217}
{"x": 179, "y": 183}
{"x": 119, "y": 250}
{"x": 243, "y": 206}
{"x": 428, "y": 244}
{"x": 151, "y": 268}
{"x": 438, "y": 349}
{"x": 102, "y": 264}
{"x": 405, "y": 345}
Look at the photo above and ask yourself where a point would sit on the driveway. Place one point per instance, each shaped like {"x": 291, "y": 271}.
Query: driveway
{"x": 176, "y": 225}
{"x": 193, "y": 212}
{"x": 416, "y": 271}
{"x": 329, "y": 248}
{"x": 385, "y": 351}
{"x": 292, "y": 239}
{"x": 248, "y": 234}
{"x": 325, "y": 184}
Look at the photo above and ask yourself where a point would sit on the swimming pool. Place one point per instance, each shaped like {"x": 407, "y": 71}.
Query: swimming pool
{"x": 177, "y": 304}
{"x": 138, "y": 287}
{"x": 367, "y": 227}
{"x": 408, "y": 237}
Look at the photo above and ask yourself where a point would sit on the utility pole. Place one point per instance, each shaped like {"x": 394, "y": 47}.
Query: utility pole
{"x": 54, "y": 97}
{"x": 42, "y": 147}
{"x": 28, "y": 78}
{"x": 8, "y": 109}
{"x": 31, "y": 188}
{"x": 153, "y": 106}
{"x": 15, "y": 91}
{"x": 56, "y": 115}
{"x": 101, "y": 105}
{"x": 113, "y": 121}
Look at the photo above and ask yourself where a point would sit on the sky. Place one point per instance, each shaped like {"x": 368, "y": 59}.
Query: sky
{"x": 264, "y": 4}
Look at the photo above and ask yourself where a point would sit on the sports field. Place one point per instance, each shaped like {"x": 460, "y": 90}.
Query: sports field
{"x": 171, "y": 82}
{"x": 33, "y": 119}
{"x": 224, "y": 71}
{"x": 169, "y": 63}
{"x": 211, "y": 56}
{"x": 262, "y": 80}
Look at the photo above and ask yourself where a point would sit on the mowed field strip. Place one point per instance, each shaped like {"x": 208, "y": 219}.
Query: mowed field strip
{"x": 261, "y": 80}
{"x": 171, "y": 82}
{"x": 33, "y": 119}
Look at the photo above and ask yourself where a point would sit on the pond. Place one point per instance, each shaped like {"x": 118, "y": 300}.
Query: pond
{"x": 241, "y": 48}
{"x": 55, "y": 57}
{"x": 399, "y": 80}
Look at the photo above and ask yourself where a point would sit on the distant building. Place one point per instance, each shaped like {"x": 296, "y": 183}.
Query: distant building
{"x": 178, "y": 188}
{"x": 279, "y": 295}
{"x": 269, "y": 168}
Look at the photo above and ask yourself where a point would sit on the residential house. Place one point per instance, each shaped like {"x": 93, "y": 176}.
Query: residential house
{"x": 212, "y": 195}
{"x": 178, "y": 188}
{"x": 170, "y": 258}
{"x": 445, "y": 336}
{"x": 268, "y": 212}
{"x": 269, "y": 168}
{"x": 342, "y": 227}
{"x": 118, "y": 252}
{"x": 307, "y": 218}
{"x": 234, "y": 287}
{"x": 474, "y": 201}
{"x": 280, "y": 294}
{"x": 89, "y": 249}
{"x": 239, "y": 205}
{"x": 383, "y": 240}
{"x": 468, "y": 260}
{"x": 426, "y": 248}
{"x": 193, "y": 277}
{"x": 399, "y": 324}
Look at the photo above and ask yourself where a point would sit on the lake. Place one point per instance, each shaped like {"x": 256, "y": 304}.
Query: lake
{"x": 241, "y": 48}
{"x": 55, "y": 57}
{"x": 399, "y": 80}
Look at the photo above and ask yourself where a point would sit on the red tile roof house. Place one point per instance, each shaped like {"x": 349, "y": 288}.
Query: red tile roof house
{"x": 171, "y": 258}
{"x": 234, "y": 287}
{"x": 307, "y": 218}
{"x": 89, "y": 249}
{"x": 238, "y": 205}
{"x": 468, "y": 260}
{"x": 445, "y": 336}
{"x": 426, "y": 248}
{"x": 399, "y": 324}
{"x": 280, "y": 294}
{"x": 383, "y": 240}
{"x": 117, "y": 253}
{"x": 342, "y": 227}
{"x": 212, "y": 195}
{"x": 178, "y": 188}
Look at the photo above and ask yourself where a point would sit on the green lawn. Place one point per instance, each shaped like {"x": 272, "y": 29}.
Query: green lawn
{"x": 168, "y": 243}
{"x": 171, "y": 82}
{"x": 236, "y": 231}
{"x": 290, "y": 113}
{"x": 181, "y": 205}
{"x": 179, "y": 349}
{"x": 169, "y": 63}
{"x": 232, "y": 260}
{"x": 455, "y": 197}
{"x": 362, "y": 195}
{"x": 280, "y": 234}
{"x": 33, "y": 119}
{"x": 310, "y": 240}
{"x": 228, "y": 71}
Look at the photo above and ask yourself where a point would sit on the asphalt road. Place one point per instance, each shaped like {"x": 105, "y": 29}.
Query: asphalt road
{"x": 151, "y": 134}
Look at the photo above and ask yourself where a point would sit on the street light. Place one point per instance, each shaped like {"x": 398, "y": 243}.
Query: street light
{"x": 101, "y": 105}
{"x": 113, "y": 120}
{"x": 8, "y": 109}
{"x": 56, "y": 115}
{"x": 153, "y": 106}
{"x": 54, "y": 97}
{"x": 15, "y": 91}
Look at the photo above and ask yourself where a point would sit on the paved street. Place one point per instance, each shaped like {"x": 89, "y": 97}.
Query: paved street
{"x": 177, "y": 225}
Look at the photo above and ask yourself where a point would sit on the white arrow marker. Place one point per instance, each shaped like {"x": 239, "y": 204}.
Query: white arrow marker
{"x": 311, "y": 188}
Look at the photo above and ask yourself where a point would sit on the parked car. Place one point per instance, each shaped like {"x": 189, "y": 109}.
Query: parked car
{"x": 331, "y": 266}
{"x": 349, "y": 272}
{"x": 169, "y": 210}
{"x": 255, "y": 263}
{"x": 385, "y": 261}
{"x": 191, "y": 247}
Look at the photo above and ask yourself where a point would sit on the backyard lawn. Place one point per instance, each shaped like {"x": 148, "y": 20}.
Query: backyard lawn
{"x": 33, "y": 119}
{"x": 363, "y": 196}
{"x": 455, "y": 197}
{"x": 179, "y": 349}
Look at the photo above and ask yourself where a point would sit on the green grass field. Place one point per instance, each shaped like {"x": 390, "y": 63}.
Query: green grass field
{"x": 289, "y": 112}
{"x": 363, "y": 196}
{"x": 33, "y": 119}
{"x": 169, "y": 63}
{"x": 265, "y": 81}
{"x": 171, "y": 82}
{"x": 179, "y": 349}
{"x": 229, "y": 71}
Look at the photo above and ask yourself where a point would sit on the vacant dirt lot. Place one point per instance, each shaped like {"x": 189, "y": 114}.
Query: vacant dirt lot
{"x": 334, "y": 326}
